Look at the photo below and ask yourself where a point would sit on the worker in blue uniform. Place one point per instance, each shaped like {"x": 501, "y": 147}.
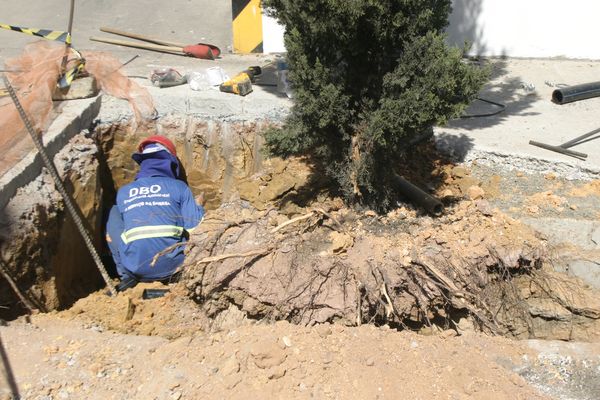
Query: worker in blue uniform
{"x": 153, "y": 215}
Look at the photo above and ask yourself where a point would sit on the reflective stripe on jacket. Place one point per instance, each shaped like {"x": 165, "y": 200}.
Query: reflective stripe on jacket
{"x": 151, "y": 231}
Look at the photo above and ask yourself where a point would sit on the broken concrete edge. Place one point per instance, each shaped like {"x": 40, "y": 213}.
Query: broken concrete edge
{"x": 210, "y": 105}
{"x": 567, "y": 169}
{"x": 76, "y": 116}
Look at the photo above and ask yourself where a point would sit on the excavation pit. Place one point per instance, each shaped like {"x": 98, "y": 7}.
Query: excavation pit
{"x": 276, "y": 245}
{"x": 43, "y": 253}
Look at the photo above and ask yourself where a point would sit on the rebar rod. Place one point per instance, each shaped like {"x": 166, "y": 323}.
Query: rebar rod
{"x": 578, "y": 139}
{"x": 70, "y": 38}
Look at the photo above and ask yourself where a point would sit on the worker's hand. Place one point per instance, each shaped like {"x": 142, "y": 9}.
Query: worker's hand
{"x": 200, "y": 199}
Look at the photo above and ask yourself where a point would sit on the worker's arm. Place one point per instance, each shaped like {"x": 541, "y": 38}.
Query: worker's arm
{"x": 191, "y": 211}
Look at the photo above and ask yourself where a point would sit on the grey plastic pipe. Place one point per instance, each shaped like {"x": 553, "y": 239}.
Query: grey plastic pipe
{"x": 570, "y": 94}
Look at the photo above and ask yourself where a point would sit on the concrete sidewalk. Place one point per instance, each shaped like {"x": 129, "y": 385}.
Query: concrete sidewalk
{"x": 530, "y": 115}
{"x": 175, "y": 20}
{"x": 502, "y": 139}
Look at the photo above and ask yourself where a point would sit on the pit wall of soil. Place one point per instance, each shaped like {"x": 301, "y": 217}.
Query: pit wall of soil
{"x": 224, "y": 160}
{"x": 42, "y": 251}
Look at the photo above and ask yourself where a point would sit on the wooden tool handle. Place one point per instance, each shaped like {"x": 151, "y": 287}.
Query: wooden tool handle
{"x": 141, "y": 37}
{"x": 155, "y": 47}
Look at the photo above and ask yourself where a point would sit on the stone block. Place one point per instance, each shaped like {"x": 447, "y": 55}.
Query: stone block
{"x": 81, "y": 88}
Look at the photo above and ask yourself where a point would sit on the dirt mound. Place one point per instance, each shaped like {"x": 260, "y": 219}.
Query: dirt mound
{"x": 171, "y": 316}
{"x": 474, "y": 266}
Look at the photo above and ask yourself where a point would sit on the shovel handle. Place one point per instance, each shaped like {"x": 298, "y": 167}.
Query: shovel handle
{"x": 155, "y": 47}
{"x": 141, "y": 37}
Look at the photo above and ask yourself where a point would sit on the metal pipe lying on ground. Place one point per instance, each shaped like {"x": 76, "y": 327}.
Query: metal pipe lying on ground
{"x": 418, "y": 196}
{"x": 558, "y": 149}
{"x": 199, "y": 50}
{"x": 142, "y": 37}
{"x": 570, "y": 94}
{"x": 579, "y": 139}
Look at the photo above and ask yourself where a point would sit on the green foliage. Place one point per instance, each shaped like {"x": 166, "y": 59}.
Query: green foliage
{"x": 368, "y": 76}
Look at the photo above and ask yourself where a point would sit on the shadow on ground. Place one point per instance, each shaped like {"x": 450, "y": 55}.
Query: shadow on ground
{"x": 465, "y": 27}
{"x": 502, "y": 88}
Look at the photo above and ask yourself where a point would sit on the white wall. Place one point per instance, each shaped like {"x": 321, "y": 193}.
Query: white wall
{"x": 528, "y": 28}
{"x": 272, "y": 36}
{"x": 514, "y": 28}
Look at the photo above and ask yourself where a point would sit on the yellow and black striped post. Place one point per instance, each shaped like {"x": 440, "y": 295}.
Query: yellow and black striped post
{"x": 247, "y": 26}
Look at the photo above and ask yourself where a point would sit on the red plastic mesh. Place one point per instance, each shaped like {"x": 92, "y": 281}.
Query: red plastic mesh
{"x": 34, "y": 75}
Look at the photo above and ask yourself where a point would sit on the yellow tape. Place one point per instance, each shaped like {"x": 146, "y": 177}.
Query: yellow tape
{"x": 70, "y": 74}
{"x": 59, "y": 36}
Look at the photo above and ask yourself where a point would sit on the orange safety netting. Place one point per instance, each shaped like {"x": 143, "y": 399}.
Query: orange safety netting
{"x": 34, "y": 75}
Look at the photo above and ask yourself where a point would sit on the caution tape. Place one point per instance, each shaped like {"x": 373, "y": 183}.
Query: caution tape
{"x": 59, "y": 36}
{"x": 70, "y": 74}
{"x": 67, "y": 78}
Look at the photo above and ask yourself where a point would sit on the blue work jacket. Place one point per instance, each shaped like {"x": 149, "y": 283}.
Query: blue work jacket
{"x": 157, "y": 212}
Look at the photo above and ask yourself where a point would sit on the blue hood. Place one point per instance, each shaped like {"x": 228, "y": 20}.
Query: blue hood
{"x": 160, "y": 163}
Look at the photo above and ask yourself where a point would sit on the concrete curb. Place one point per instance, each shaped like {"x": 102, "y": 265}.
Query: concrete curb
{"x": 76, "y": 116}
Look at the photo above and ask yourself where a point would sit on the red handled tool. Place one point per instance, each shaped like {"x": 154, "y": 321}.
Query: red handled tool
{"x": 199, "y": 50}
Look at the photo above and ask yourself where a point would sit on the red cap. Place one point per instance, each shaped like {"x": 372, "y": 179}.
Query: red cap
{"x": 158, "y": 139}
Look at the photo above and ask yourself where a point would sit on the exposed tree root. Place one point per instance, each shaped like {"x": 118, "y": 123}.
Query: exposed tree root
{"x": 415, "y": 272}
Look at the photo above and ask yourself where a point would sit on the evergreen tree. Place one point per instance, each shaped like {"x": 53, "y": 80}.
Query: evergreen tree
{"x": 368, "y": 76}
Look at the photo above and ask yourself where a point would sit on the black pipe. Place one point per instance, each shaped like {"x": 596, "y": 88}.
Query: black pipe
{"x": 570, "y": 94}
{"x": 418, "y": 196}
{"x": 154, "y": 293}
{"x": 578, "y": 139}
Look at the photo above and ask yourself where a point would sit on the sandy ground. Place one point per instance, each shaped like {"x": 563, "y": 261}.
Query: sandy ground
{"x": 163, "y": 353}
{"x": 50, "y": 359}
